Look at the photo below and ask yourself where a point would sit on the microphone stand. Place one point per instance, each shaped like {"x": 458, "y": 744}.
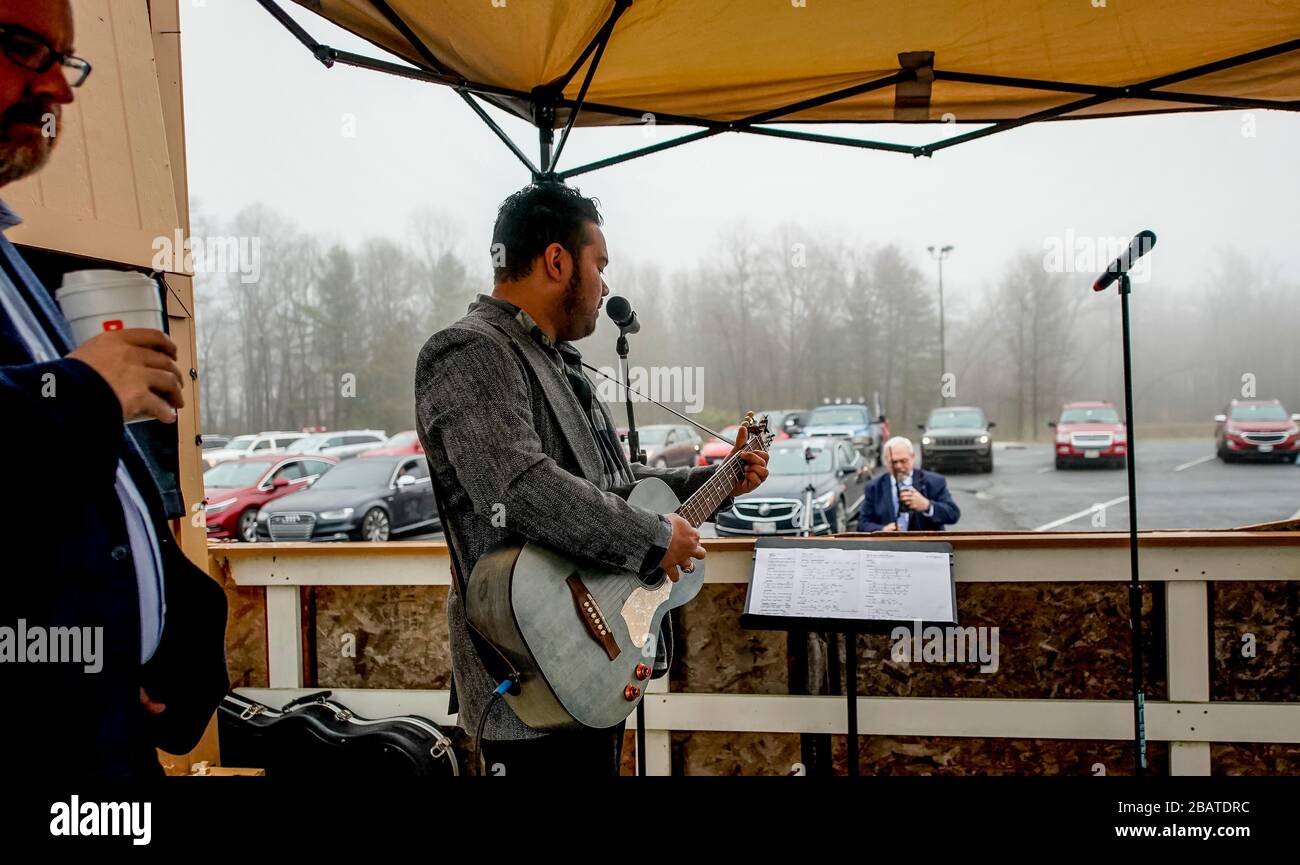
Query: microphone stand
{"x": 1135, "y": 586}
{"x": 636, "y": 455}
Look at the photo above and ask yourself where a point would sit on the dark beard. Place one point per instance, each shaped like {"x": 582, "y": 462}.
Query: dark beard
{"x": 572, "y": 309}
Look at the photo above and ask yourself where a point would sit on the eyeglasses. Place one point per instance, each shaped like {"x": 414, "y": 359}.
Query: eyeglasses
{"x": 31, "y": 51}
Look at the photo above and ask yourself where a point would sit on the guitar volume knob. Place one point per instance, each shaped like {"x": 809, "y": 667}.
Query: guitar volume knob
{"x": 642, "y": 671}
{"x": 631, "y": 692}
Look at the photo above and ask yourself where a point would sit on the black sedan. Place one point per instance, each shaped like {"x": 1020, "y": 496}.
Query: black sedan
{"x": 837, "y": 472}
{"x": 369, "y": 499}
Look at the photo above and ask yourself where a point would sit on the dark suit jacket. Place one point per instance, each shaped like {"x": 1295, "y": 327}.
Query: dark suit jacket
{"x": 878, "y": 507}
{"x": 502, "y": 429}
{"x": 68, "y": 563}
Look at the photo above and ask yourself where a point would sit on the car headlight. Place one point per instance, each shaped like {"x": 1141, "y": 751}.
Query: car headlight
{"x": 1062, "y": 438}
{"x": 217, "y": 507}
{"x": 926, "y": 440}
{"x": 1292, "y": 430}
{"x": 340, "y": 514}
{"x": 984, "y": 440}
{"x": 263, "y": 516}
{"x": 827, "y": 500}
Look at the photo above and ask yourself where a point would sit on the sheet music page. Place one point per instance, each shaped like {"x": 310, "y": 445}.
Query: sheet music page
{"x": 832, "y": 583}
{"x": 905, "y": 585}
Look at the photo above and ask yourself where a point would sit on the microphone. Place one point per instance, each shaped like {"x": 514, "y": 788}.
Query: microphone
{"x": 902, "y": 485}
{"x": 621, "y": 313}
{"x": 1139, "y": 247}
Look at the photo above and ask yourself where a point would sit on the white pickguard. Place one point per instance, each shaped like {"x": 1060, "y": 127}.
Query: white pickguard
{"x": 639, "y": 610}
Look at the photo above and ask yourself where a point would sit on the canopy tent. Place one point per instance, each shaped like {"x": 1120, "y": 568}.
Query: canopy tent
{"x": 742, "y": 65}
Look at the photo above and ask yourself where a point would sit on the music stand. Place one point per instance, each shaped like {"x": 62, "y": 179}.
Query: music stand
{"x": 850, "y": 627}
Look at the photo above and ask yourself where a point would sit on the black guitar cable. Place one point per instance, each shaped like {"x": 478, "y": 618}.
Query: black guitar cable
{"x": 500, "y": 691}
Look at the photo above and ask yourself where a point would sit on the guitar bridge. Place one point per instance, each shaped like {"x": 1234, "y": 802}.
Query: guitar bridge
{"x": 592, "y": 616}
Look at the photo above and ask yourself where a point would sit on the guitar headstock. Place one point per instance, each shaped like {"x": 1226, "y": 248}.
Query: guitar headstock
{"x": 757, "y": 431}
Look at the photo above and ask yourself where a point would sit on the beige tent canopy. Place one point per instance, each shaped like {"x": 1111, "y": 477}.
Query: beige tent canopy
{"x": 742, "y": 65}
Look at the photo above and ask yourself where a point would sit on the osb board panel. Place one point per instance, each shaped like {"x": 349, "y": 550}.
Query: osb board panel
{"x": 1254, "y": 758}
{"x": 714, "y": 654}
{"x": 1256, "y": 641}
{"x": 1054, "y": 642}
{"x": 246, "y": 636}
{"x": 382, "y": 637}
{"x": 717, "y": 753}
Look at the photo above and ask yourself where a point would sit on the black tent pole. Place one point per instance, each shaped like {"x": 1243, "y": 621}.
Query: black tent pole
{"x": 1135, "y": 585}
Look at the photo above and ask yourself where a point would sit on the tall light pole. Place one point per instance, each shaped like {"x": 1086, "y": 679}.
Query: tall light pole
{"x": 939, "y": 255}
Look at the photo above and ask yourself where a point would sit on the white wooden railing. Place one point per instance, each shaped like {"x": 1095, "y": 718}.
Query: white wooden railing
{"x": 1185, "y": 561}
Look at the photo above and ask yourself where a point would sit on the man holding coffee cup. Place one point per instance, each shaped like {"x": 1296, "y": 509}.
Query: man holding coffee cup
{"x": 111, "y": 641}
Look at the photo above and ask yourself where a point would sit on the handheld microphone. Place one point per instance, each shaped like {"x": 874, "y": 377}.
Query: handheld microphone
{"x": 1140, "y": 246}
{"x": 622, "y": 314}
{"x": 902, "y": 485}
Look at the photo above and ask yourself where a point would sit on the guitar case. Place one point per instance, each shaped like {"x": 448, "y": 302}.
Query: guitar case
{"x": 315, "y": 737}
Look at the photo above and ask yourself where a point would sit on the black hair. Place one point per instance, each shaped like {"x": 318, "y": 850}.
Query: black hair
{"x": 535, "y": 217}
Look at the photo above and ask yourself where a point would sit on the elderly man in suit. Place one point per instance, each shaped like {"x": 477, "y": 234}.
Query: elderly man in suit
{"x": 519, "y": 447}
{"x": 906, "y": 499}
{"x": 112, "y": 643}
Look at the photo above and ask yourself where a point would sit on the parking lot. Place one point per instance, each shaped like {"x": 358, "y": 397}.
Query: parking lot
{"x": 1180, "y": 485}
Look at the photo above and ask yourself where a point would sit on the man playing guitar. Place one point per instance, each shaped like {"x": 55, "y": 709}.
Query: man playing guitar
{"x": 519, "y": 446}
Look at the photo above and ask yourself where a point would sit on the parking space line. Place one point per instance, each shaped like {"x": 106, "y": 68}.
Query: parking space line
{"x": 1045, "y": 469}
{"x": 1083, "y": 513}
{"x": 1195, "y": 462}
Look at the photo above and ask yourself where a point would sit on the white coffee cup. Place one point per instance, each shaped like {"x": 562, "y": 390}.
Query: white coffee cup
{"x": 98, "y": 301}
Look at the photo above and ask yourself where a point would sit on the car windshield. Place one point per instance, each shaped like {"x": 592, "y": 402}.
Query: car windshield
{"x": 356, "y": 474}
{"x": 653, "y": 435}
{"x": 233, "y": 474}
{"x": 402, "y": 440}
{"x": 1259, "y": 412}
{"x": 790, "y": 461}
{"x": 835, "y": 416}
{"x": 1090, "y": 415}
{"x": 240, "y": 443}
{"x": 956, "y": 417}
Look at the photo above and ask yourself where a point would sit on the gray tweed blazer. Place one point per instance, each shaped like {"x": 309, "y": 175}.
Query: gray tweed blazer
{"x": 505, "y": 437}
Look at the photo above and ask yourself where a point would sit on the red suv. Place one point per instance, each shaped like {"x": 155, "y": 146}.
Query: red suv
{"x": 1090, "y": 432}
{"x": 236, "y": 489}
{"x": 1256, "y": 429}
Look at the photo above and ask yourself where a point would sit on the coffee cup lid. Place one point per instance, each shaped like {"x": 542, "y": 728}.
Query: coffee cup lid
{"x": 85, "y": 280}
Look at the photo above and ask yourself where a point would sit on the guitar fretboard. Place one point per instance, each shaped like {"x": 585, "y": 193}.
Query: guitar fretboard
{"x": 700, "y": 506}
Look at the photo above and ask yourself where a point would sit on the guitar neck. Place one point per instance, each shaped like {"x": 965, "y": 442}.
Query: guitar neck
{"x": 700, "y": 506}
